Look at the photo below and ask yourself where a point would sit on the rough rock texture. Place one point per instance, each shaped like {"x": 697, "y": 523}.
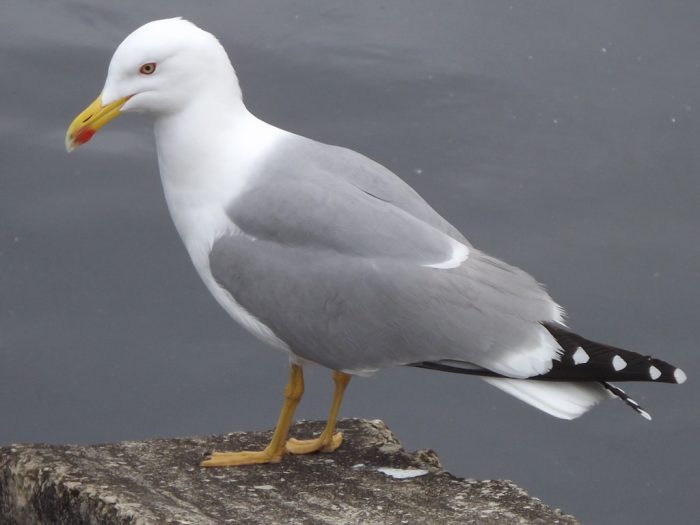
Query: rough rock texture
{"x": 159, "y": 482}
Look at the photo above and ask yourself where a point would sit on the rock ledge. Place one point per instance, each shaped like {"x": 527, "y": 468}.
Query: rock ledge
{"x": 370, "y": 479}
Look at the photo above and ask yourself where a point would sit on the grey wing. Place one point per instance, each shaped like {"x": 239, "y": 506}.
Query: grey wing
{"x": 350, "y": 167}
{"x": 297, "y": 201}
{"x": 360, "y": 314}
{"x": 357, "y": 280}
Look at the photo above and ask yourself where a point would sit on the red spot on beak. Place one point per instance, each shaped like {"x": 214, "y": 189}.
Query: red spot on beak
{"x": 83, "y": 135}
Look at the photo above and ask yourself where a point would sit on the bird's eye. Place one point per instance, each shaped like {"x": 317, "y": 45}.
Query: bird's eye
{"x": 148, "y": 69}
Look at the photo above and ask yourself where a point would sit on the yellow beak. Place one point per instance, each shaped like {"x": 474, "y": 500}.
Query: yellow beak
{"x": 91, "y": 119}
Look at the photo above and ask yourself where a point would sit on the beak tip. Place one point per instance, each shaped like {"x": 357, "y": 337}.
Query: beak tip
{"x": 90, "y": 120}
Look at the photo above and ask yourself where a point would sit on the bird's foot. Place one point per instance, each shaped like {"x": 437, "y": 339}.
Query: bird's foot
{"x": 247, "y": 457}
{"x": 323, "y": 443}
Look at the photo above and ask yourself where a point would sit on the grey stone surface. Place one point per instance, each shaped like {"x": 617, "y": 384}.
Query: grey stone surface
{"x": 159, "y": 482}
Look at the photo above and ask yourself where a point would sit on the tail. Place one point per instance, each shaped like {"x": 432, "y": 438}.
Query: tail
{"x": 578, "y": 380}
{"x": 562, "y": 399}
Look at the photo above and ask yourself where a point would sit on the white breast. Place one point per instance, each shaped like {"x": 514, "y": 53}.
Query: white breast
{"x": 199, "y": 181}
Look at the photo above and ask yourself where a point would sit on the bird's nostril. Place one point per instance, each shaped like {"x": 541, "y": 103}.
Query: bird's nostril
{"x": 87, "y": 118}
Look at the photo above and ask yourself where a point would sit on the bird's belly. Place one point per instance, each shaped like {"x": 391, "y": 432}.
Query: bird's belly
{"x": 199, "y": 227}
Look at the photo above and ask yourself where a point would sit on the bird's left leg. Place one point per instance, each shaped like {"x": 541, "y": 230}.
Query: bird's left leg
{"x": 327, "y": 441}
{"x": 276, "y": 448}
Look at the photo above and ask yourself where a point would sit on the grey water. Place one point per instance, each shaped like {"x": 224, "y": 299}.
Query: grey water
{"x": 562, "y": 137}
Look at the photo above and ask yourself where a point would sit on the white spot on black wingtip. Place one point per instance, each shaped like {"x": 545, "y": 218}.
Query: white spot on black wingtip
{"x": 679, "y": 376}
{"x": 580, "y": 356}
{"x": 618, "y": 363}
{"x": 654, "y": 372}
{"x": 646, "y": 415}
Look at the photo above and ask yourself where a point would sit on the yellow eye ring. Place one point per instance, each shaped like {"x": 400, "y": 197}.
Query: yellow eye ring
{"x": 148, "y": 69}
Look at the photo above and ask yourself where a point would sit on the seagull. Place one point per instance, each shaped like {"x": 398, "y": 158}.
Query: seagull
{"x": 331, "y": 258}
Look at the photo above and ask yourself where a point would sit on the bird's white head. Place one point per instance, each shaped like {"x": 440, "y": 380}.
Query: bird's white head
{"x": 159, "y": 69}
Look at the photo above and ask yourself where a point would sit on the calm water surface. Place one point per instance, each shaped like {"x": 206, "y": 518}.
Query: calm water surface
{"x": 559, "y": 136}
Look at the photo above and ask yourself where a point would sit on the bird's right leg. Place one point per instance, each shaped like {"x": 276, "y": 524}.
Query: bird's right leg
{"x": 329, "y": 440}
{"x": 275, "y": 449}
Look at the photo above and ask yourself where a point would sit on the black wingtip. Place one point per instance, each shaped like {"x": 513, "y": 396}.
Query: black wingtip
{"x": 621, "y": 394}
{"x": 582, "y": 360}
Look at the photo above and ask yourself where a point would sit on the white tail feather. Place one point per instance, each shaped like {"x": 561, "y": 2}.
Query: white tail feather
{"x": 565, "y": 400}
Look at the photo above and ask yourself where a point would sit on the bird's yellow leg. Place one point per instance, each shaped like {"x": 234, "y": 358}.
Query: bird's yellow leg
{"x": 327, "y": 441}
{"x": 275, "y": 449}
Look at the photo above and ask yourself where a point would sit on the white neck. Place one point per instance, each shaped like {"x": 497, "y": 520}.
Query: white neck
{"x": 221, "y": 137}
{"x": 207, "y": 153}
